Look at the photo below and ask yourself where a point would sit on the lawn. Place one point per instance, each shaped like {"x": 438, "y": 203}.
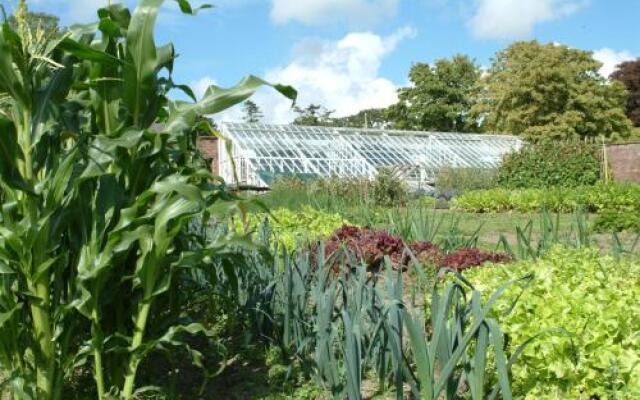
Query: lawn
{"x": 494, "y": 225}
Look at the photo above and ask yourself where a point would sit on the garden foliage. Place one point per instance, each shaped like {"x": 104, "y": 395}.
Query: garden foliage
{"x": 598, "y": 198}
{"x": 583, "y": 306}
{"x": 551, "y": 163}
{"x": 101, "y": 184}
{"x": 617, "y": 221}
{"x": 297, "y": 228}
{"x": 389, "y": 188}
{"x": 452, "y": 181}
{"x": 439, "y": 98}
{"x": 342, "y": 329}
{"x": 471, "y": 257}
{"x": 370, "y": 247}
{"x": 385, "y": 190}
{"x": 550, "y": 92}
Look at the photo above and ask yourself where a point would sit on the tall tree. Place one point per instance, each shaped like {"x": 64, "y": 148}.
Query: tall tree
{"x": 371, "y": 118}
{"x": 628, "y": 73}
{"x": 252, "y": 113}
{"x": 550, "y": 91}
{"x": 439, "y": 97}
{"x": 313, "y": 115}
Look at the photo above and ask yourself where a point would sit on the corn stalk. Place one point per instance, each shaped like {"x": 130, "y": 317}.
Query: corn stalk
{"x": 100, "y": 180}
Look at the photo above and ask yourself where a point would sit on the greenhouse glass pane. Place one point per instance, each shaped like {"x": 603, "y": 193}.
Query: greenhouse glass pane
{"x": 327, "y": 151}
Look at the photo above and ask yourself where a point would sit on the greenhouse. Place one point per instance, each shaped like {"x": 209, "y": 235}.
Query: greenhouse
{"x": 260, "y": 152}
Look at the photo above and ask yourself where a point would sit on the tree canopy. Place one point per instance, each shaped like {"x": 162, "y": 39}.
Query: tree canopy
{"x": 372, "y": 118}
{"x": 550, "y": 92}
{"x": 628, "y": 73}
{"x": 439, "y": 97}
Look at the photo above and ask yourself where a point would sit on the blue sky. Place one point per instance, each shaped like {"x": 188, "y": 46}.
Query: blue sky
{"x": 354, "y": 54}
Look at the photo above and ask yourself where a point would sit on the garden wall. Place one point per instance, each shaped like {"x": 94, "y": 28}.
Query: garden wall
{"x": 625, "y": 161}
{"x": 209, "y": 148}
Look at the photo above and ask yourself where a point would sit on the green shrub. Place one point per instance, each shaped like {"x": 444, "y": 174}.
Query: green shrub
{"x": 460, "y": 180}
{"x": 331, "y": 190}
{"x": 388, "y": 188}
{"x": 289, "y": 192}
{"x": 338, "y": 193}
{"x": 491, "y": 200}
{"x": 546, "y": 164}
{"x": 589, "y": 296}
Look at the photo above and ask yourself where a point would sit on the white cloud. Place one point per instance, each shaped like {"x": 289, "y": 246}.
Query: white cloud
{"x": 516, "y": 19}
{"x": 610, "y": 59}
{"x": 318, "y": 12}
{"x": 342, "y": 76}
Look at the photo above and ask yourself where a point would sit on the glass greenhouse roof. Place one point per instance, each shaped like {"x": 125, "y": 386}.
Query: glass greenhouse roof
{"x": 326, "y": 151}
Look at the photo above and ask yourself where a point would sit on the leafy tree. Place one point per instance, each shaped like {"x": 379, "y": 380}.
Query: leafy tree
{"x": 550, "y": 92}
{"x": 628, "y": 73}
{"x": 371, "y": 118}
{"x": 313, "y": 115}
{"x": 252, "y": 113}
{"x": 439, "y": 97}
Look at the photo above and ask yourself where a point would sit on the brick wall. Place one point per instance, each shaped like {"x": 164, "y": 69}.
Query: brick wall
{"x": 209, "y": 148}
{"x": 625, "y": 161}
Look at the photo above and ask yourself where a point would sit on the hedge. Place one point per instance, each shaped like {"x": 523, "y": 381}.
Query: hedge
{"x": 552, "y": 163}
{"x": 599, "y": 198}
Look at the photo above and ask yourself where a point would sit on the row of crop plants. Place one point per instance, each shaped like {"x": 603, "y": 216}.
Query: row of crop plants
{"x": 562, "y": 316}
{"x": 560, "y": 303}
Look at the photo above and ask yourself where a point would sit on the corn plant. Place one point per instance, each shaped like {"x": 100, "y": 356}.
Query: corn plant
{"x": 100, "y": 180}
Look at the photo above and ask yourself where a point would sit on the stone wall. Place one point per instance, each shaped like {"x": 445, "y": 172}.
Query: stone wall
{"x": 625, "y": 161}
{"x": 209, "y": 147}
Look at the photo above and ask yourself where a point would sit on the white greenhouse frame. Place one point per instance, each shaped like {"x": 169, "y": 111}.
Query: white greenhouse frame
{"x": 352, "y": 152}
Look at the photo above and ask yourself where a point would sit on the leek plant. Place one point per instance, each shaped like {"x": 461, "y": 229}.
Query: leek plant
{"x": 350, "y": 328}
{"x": 454, "y": 360}
{"x": 533, "y": 245}
{"x": 420, "y": 224}
{"x": 619, "y": 249}
{"x": 100, "y": 179}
